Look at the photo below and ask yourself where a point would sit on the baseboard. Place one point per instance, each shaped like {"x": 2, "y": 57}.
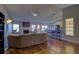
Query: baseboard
{"x": 70, "y": 40}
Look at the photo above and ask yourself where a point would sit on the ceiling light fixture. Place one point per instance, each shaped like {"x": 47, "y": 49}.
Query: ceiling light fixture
{"x": 8, "y": 21}
{"x": 34, "y": 14}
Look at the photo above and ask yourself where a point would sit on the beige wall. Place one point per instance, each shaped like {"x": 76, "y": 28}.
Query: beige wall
{"x": 72, "y": 11}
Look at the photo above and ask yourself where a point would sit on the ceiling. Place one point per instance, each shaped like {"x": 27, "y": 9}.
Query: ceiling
{"x": 45, "y": 13}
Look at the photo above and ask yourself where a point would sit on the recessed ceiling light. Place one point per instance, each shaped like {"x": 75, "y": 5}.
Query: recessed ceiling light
{"x": 34, "y": 14}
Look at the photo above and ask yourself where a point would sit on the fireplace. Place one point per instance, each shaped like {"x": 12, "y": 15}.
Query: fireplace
{"x": 25, "y": 31}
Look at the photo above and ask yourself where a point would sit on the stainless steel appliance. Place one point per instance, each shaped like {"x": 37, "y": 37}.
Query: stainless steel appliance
{"x": 1, "y": 33}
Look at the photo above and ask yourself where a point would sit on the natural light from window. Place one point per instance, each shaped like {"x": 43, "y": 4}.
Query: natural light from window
{"x": 44, "y": 28}
{"x": 70, "y": 26}
{"x": 16, "y": 27}
{"x": 33, "y": 27}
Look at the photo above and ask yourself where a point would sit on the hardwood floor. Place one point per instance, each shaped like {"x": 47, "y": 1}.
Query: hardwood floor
{"x": 52, "y": 46}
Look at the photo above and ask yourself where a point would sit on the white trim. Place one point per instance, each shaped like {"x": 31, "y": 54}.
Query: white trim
{"x": 70, "y": 40}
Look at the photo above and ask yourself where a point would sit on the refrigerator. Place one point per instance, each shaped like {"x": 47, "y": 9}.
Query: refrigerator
{"x": 1, "y": 33}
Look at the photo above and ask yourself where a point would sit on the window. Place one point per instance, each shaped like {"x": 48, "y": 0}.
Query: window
{"x": 16, "y": 28}
{"x": 70, "y": 26}
{"x": 38, "y": 27}
{"x": 33, "y": 28}
{"x": 44, "y": 28}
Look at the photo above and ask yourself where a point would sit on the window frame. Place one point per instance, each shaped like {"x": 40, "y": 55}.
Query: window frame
{"x": 16, "y": 27}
